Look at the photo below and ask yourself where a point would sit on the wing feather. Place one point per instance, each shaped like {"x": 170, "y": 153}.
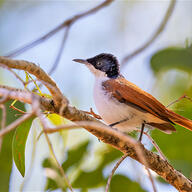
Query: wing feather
{"x": 126, "y": 91}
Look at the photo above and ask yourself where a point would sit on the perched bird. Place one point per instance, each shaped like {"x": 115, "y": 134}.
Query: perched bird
{"x": 125, "y": 106}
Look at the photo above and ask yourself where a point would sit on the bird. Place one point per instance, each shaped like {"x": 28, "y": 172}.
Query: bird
{"x": 123, "y": 105}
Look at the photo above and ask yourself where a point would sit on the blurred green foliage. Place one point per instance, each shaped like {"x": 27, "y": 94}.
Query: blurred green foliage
{"x": 1, "y": 2}
{"x": 74, "y": 157}
{"x": 95, "y": 178}
{"x": 173, "y": 67}
{"x": 85, "y": 180}
{"x": 6, "y": 150}
{"x": 120, "y": 183}
{"x": 172, "y": 58}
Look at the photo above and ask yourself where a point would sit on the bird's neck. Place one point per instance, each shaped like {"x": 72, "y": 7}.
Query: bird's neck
{"x": 100, "y": 80}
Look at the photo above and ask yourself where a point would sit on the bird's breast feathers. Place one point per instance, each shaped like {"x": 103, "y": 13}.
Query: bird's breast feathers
{"x": 118, "y": 99}
{"x": 112, "y": 110}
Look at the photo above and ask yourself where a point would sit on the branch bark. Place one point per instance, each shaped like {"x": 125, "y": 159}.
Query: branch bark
{"x": 104, "y": 133}
{"x": 33, "y": 69}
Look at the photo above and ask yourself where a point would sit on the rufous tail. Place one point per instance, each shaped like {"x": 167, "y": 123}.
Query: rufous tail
{"x": 178, "y": 119}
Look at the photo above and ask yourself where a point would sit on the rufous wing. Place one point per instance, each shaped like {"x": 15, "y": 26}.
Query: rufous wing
{"x": 129, "y": 93}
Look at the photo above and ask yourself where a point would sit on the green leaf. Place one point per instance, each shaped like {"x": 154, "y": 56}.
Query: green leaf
{"x": 74, "y": 156}
{"x": 109, "y": 156}
{"x": 95, "y": 178}
{"x": 56, "y": 119}
{"x": 18, "y": 145}
{"x": 176, "y": 146}
{"x": 1, "y": 2}
{"x": 50, "y": 184}
{"x": 6, "y": 149}
{"x": 172, "y": 58}
{"x": 121, "y": 183}
{"x": 90, "y": 179}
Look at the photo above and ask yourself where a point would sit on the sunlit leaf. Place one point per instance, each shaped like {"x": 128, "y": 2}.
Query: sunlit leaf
{"x": 13, "y": 103}
{"x": 172, "y": 58}
{"x": 37, "y": 87}
{"x": 121, "y": 183}
{"x": 6, "y": 150}
{"x": 18, "y": 146}
{"x": 56, "y": 119}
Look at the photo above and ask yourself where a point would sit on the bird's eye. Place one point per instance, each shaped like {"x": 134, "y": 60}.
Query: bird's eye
{"x": 99, "y": 63}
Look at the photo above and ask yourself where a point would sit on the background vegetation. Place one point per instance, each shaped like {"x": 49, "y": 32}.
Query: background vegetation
{"x": 164, "y": 70}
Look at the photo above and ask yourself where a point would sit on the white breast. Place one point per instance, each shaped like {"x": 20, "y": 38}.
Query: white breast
{"x": 113, "y": 111}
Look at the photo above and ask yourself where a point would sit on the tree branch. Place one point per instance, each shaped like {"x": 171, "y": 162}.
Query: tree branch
{"x": 15, "y": 124}
{"x": 113, "y": 171}
{"x": 153, "y": 37}
{"x": 39, "y": 73}
{"x": 44, "y": 125}
{"x": 128, "y": 146}
{"x": 104, "y": 133}
{"x": 64, "y": 24}
{"x": 58, "y": 57}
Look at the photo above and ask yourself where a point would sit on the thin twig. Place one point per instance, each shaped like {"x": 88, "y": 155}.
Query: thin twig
{"x": 15, "y": 124}
{"x": 91, "y": 112}
{"x": 158, "y": 31}
{"x": 59, "y": 54}
{"x": 179, "y": 99}
{"x": 155, "y": 145}
{"x": 4, "y": 115}
{"x": 33, "y": 69}
{"x": 3, "y": 121}
{"x": 78, "y": 124}
{"x": 16, "y": 109}
{"x": 58, "y": 57}
{"x": 15, "y": 74}
{"x": 113, "y": 171}
{"x": 99, "y": 125}
{"x": 64, "y": 24}
{"x": 44, "y": 125}
{"x": 143, "y": 160}
{"x": 4, "y": 98}
{"x": 25, "y": 97}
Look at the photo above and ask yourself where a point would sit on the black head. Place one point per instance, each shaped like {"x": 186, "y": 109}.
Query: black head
{"x": 106, "y": 63}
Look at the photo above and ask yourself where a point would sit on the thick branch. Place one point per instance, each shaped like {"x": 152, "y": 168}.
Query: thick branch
{"x": 113, "y": 137}
{"x": 33, "y": 69}
{"x": 25, "y": 97}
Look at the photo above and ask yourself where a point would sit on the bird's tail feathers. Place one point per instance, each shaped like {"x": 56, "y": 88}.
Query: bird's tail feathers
{"x": 178, "y": 119}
